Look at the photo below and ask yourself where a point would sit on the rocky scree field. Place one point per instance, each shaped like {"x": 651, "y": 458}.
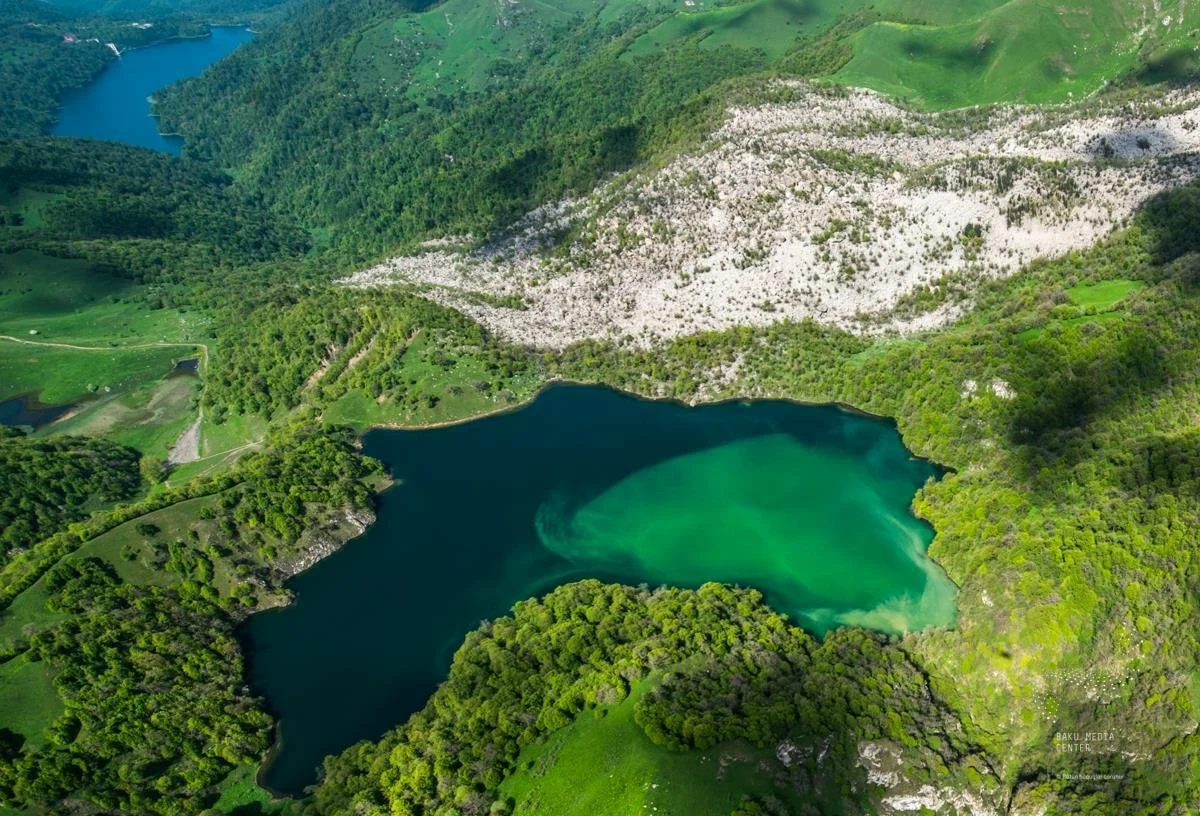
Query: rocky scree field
{"x": 812, "y": 202}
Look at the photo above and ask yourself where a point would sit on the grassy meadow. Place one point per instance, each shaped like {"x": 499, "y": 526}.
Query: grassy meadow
{"x": 28, "y": 702}
{"x": 74, "y": 334}
{"x": 1030, "y": 51}
{"x": 933, "y": 53}
{"x": 603, "y": 764}
{"x": 49, "y": 304}
{"x": 770, "y": 25}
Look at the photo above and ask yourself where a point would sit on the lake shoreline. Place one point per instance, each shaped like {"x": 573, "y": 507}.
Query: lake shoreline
{"x": 692, "y": 403}
{"x": 504, "y": 534}
{"x": 118, "y": 103}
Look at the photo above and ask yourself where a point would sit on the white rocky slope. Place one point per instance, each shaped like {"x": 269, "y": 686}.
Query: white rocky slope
{"x": 833, "y": 206}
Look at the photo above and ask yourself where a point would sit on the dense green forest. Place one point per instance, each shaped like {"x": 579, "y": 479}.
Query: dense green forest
{"x": 46, "y": 483}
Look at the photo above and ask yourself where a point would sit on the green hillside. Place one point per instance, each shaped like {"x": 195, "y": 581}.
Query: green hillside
{"x": 459, "y": 118}
{"x": 603, "y": 764}
{"x": 1020, "y": 51}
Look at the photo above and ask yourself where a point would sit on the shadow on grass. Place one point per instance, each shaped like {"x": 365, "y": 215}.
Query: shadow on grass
{"x": 1178, "y": 66}
{"x": 1066, "y": 380}
{"x": 972, "y": 57}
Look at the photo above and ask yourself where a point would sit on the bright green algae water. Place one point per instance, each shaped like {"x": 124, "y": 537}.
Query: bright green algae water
{"x": 830, "y": 543}
{"x": 809, "y": 504}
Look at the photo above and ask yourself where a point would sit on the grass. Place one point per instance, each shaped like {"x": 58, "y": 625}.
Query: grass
{"x": 1103, "y": 296}
{"x": 458, "y": 45}
{"x": 360, "y": 411}
{"x": 1099, "y": 302}
{"x": 606, "y": 766}
{"x": 222, "y": 445}
{"x": 28, "y": 614}
{"x": 29, "y": 204}
{"x": 118, "y": 377}
{"x": 1038, "y": 331}
{"x": 1022, "y": 51}
{"x": 454, "y": 388}
{"x": 63, "y": 376}
{"x": 29, "y": 703}
{"x": 149, "y": 418}
{"x": 68, "y": 301}
{"x": 769, "y": 25}
{"x": 236, "y": 430}
{"x": 55, "y": 300}
{"x": 882, "y": 346}
{"x": 935, "y": 54}
{"x": 240, "y": 793}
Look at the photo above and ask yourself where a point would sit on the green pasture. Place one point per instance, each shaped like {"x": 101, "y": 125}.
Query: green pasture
{"x": 769, "y": 25}
{"x": 28, "y": 203}
{"x": 454, "y": 388}
{"x": 73, "y": 333}
{"x": 150, "y": 418}
{"x": 29, "y": 703}
{"x": 606, "y": 766}
{"x": 1104, "y": 295}
{"x": 1031, "y": 51}
{"x": 459, "y": 45}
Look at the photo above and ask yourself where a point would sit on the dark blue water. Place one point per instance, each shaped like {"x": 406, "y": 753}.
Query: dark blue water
{"x": 25, "y": 410}
{"x": 116, "y": 106}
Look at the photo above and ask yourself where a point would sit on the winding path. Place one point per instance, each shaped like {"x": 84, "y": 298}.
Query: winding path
{"x": 161, "y": 344}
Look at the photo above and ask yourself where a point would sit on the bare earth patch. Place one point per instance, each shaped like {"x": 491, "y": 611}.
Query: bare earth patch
{"x": 835, "y": 207}
{"x": 187, "y": 446}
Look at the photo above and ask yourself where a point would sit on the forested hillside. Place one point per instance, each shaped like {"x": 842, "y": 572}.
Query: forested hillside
{"x": 404, "y": 128}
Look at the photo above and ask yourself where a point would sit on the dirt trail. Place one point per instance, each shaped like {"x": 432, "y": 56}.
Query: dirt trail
{"x": 161, "y": 344}
{"x": 10, "y": 338}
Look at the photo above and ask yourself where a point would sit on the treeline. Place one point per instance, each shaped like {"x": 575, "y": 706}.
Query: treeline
{"x": 136, "y": 211}
{"x": 156, "y": 710}
{"x": 586, "y": 644}
{"x": 47, "y": 483}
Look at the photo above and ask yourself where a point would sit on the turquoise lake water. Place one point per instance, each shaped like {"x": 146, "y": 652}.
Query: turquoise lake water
{"x": 116, "y": 106}
{"x": 809, "y": 504}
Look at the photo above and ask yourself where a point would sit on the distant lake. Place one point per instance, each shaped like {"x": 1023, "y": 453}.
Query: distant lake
{"x": 116, "y": 106}
{"x": 810, "y": 504}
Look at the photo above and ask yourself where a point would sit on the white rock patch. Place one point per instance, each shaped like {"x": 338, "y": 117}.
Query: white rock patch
{"x": 830, "y": 207}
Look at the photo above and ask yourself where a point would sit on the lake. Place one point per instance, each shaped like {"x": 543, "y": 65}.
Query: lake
{"x": 116, "y": 108}
{"x": 26, "y": 410}
{"x": 810, "y": 504}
